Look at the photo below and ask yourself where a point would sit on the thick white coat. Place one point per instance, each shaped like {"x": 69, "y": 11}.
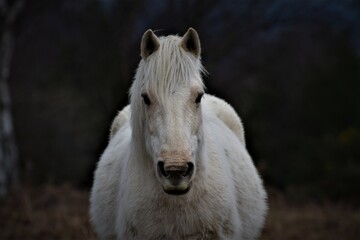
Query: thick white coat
{"x": 227, "y": 199}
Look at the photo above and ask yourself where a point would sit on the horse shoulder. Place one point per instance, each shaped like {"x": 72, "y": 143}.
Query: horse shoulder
{"x": 226, "y": 113}
{"x": 250, "y": 193}
{"x": 103, "y": 199}
{"x": 119, "y": 121}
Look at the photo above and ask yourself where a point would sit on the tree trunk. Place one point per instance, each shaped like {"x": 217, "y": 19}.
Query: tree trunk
{"x": 8, "y": 149}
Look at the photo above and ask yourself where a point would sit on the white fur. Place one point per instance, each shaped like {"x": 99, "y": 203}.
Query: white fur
{"x": 227, "y": 199}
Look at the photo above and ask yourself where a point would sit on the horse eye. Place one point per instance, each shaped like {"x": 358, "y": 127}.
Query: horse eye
{"x": 146, "y": 99}
{"x": 199, "y": 97}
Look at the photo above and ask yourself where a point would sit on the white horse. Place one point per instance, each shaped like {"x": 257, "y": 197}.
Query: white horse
{"x": 176, "y": 166}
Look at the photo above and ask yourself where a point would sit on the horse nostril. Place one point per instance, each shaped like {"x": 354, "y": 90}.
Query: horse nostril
{"x": 190, "y": 169}
{"x": 162, "y": 169}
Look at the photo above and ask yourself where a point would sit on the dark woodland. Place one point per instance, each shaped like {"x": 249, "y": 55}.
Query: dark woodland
{"x": 291, "y": 69}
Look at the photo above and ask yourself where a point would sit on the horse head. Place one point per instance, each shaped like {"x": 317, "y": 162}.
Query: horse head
{"x": 166, "y": 107}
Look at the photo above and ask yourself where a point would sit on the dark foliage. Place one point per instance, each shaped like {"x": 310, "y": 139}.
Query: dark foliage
{"x": 290, "y": 68}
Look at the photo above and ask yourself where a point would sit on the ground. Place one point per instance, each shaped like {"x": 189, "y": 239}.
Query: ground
{"x": 61, "y": 212}
{"x": 45, "y": 213}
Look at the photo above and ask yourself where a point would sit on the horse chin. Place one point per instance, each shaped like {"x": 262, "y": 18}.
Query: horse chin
{"x": 178, "y": 189}
{"x": 177, "y": 192}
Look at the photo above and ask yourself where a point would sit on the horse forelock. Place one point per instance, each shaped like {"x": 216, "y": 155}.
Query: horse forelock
{"x": 167, "y": 68}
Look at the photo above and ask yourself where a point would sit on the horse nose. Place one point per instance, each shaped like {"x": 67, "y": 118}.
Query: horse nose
{"x": 175, "y": 171}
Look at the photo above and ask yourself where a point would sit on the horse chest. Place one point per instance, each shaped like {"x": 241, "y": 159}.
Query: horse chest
{"x": 179, "y": 222}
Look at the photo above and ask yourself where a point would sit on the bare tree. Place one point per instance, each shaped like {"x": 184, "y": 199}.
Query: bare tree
{"x": 9, "y": 11}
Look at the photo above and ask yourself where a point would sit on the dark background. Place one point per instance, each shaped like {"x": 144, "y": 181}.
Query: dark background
{"x": 290, "y": 68}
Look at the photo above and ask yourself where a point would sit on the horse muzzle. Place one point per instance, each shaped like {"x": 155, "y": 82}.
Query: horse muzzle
{"x": 175, "y": 177}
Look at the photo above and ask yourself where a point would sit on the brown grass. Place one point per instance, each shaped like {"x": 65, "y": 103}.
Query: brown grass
{"x": 61, "y": 212}
{"x": 310, "y": 221}
{"x": 45, "y": 213}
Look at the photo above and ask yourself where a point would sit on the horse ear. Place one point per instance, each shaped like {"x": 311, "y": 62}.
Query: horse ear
{"x": 149, "y": 44}
{"x": 191, "y": 42}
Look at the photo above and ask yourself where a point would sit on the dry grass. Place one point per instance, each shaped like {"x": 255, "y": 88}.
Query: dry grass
{"x": 45, "y": 213}
{"x": 310, "y": 221}
{"x": 61, "y": 213}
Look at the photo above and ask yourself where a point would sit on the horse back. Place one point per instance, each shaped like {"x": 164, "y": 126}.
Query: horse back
{"x": 227, "y": 115}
